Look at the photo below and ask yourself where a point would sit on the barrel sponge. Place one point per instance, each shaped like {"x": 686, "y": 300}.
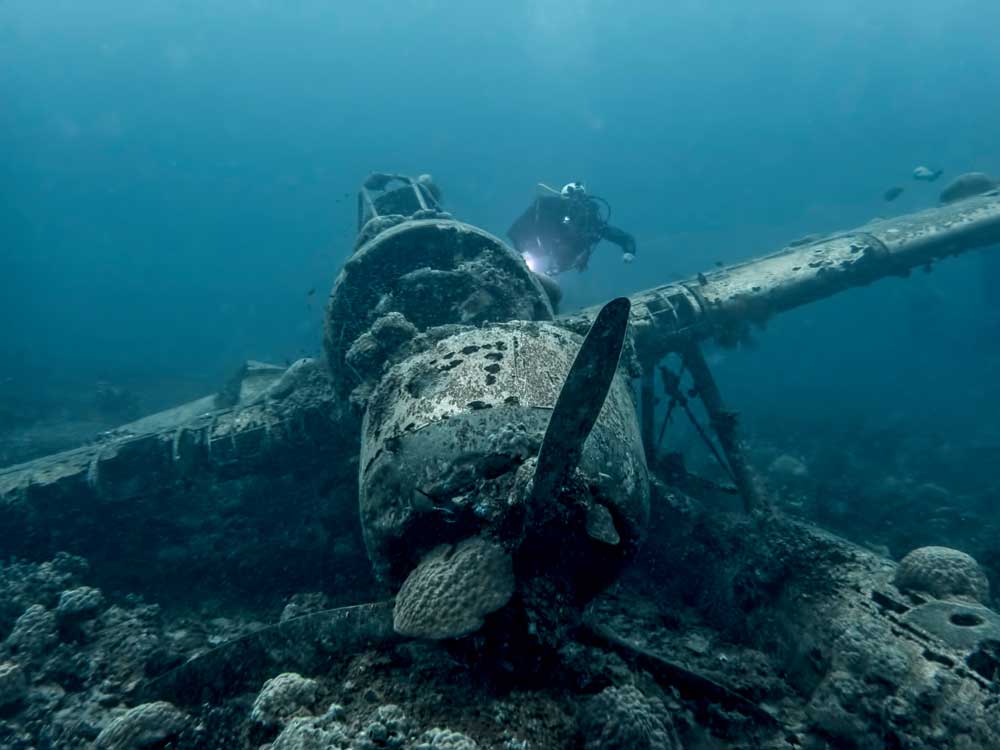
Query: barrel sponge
{"x": 622, "y": 717}
{"x": 943, "y": 573}
{"x": 453, "y": 588}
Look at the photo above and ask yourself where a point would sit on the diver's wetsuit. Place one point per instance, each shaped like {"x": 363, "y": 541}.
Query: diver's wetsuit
{"x": 560, "y": 233}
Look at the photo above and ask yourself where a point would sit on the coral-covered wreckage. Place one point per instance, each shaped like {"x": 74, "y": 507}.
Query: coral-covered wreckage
{"x": 454, "y": 532}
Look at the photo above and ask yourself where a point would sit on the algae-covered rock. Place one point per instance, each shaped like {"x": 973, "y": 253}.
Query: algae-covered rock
{"x": 445, "y": 739}
{"x": 79, "y": 604}
{"x": 145, "y": 726}
{"x": 13, "y": 684}
{"x": 34, "y": 633}
{"x": 313, "y": 734}
{"x": 622, "y": 717}
{"x": 282, "y": 697}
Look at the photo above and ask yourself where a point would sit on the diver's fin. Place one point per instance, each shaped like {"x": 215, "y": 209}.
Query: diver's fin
{"x": 580, "y": 400}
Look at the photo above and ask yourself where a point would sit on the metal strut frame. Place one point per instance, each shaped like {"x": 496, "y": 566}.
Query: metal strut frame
{"x": 724, "y": 304}
{"x": 724, "y": 422}
{"x": 380, "y": 183}
{"x": 726, "y": 426}
{"x": 672, "y": 386}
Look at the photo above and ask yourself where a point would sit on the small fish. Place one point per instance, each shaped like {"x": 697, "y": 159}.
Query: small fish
{"x": 311, "y": 292}
{"x": 892, "y": 193}
{"x": 924, "y": 174}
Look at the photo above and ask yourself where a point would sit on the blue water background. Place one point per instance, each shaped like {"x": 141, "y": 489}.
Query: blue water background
{"x": 176, "y": 176}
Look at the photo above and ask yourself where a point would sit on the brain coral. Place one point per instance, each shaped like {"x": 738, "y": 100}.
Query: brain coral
{"x": 943, "y": 573}
{"x": 453, "y": 588}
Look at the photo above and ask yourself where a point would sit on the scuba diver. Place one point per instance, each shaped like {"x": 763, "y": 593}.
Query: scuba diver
{"x": 561, "y": 228}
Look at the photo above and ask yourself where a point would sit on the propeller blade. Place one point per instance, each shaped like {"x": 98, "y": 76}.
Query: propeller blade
{"x": 581, "y": 399}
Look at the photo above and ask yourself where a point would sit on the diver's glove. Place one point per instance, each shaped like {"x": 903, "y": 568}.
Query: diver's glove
{"x": 628, "y": 257}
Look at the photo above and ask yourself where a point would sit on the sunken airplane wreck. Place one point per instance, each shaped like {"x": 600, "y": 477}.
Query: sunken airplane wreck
{"x": 501, "y": 477}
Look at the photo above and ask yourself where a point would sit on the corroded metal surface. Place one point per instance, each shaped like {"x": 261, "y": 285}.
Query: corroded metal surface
{"x": 961, "y": 625}
{"x": 207, "y": 500}
{"x": 723, "y": 302}
{"x": 512, "y": 364}
{"x": 826, "y": 610}
{"x": 434, "y": 272}
{"x": 447, "y": 427}
{"x": 516, "y": 364}
{"x": 222, "y": 443}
